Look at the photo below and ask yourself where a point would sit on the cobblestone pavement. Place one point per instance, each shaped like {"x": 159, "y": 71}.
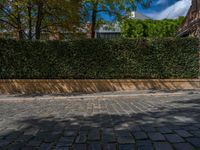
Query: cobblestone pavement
{"x": 143, "y": 122}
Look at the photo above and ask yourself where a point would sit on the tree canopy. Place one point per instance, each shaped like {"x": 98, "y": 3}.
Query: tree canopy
{"x": 150, "y": 28}
{"x": 30, "y": 18}
{"x": 92, "y": 10}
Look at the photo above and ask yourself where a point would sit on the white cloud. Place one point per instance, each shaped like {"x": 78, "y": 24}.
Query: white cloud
{"x": 179, "y": 8}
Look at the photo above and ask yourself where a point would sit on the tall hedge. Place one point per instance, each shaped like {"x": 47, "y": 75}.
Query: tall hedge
{"x": 100, "y": 59}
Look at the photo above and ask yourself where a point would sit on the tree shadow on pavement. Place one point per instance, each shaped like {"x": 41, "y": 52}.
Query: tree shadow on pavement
{"x": 165, "y": 128}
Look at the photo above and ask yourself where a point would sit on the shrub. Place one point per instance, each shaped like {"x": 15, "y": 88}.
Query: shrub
{"x": 99, "y": 59}
{"x": 133, "y": 28}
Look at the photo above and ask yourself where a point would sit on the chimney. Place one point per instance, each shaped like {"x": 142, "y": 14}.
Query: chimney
{"x": 132, "y": 15}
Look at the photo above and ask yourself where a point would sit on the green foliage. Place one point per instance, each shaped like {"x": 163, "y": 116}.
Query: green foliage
{"x": 30, "y": 18}
{"x": 100, "y": 59}
{"x": 115, "y": 8}
{"x": 93, "y": 10}
{"x": 151, "y": 28}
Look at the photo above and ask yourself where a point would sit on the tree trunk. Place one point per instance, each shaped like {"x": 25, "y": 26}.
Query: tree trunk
{"x": 30, "y": 20}
{"x": 94, "y": 19}
{"x": 19, "y": 27}
{"x": 39, "y": 20}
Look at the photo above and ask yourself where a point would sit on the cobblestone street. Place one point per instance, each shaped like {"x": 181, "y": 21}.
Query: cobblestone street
{"x": 124, "y": 122}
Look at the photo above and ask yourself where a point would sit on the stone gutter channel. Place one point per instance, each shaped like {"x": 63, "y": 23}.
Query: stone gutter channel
{"x": 156, "y": 93}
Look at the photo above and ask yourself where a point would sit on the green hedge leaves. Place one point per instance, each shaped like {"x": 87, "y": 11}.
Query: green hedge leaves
{"x": 100, "y": 59}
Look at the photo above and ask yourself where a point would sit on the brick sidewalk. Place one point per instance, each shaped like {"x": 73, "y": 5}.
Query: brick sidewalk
{"x": 121, "y": 122}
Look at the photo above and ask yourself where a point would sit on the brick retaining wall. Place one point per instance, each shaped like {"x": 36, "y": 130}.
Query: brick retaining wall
{"x": 92, "y": 86}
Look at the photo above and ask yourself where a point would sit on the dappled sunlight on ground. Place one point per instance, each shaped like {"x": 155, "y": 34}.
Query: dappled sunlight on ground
{"x": 119, "y": 122}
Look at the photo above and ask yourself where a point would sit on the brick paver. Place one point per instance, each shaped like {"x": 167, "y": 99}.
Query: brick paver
{"x": 101, "y": 123}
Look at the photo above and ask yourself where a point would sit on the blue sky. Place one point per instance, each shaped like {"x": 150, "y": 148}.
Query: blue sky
{"x": 162, "y": 9}
{"x": 170, "y": 9}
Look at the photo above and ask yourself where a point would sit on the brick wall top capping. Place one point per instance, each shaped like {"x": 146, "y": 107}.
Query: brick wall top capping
{"x": 96, "y": 80}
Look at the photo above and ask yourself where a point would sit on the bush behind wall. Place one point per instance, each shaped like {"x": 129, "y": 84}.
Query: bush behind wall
{"x": 100, "y": 59}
